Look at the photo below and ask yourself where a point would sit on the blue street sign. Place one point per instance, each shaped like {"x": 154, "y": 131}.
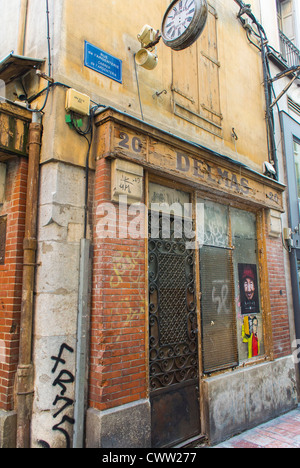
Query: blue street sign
{"x": 102, "y": 62}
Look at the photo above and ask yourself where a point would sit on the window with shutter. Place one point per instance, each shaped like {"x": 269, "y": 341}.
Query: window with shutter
{"x": 195, "y": 86}
{"x": 219, "y": 343}
{"x": 287, "y": 19}
{"x": 287, "y": 32}
{"x": 232, "y": 328}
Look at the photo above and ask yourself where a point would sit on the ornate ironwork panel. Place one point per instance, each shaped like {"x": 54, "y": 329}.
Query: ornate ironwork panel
{"x": 172, "y": 307}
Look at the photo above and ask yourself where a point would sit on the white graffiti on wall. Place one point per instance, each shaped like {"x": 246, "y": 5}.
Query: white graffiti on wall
{"x": 220, "y": 295}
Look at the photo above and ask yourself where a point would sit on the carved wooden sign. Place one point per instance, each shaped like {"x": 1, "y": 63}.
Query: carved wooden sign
{"x": 127, "y": 180}
{"x": 14, "y": 125}
{"x": 195, "y": 167}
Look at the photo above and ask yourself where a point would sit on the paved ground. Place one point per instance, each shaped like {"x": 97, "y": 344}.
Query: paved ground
{"x": 283, "y": 432}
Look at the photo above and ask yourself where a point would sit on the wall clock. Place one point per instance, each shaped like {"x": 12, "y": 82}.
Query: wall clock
{"x": 183, "y": 23}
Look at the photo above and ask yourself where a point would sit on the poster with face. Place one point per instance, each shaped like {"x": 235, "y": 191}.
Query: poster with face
{"x": 248, "y": 288}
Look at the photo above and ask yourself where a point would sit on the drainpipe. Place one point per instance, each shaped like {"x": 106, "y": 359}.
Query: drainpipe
{"x": 83, "y": 324}
{"x": 83, "y": 320}
{"x": 24, "y": 378}
{"x": 22, "y": 27}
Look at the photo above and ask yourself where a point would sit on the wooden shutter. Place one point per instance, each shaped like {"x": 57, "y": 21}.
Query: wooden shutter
{"x": 287, "y": 19}
{"x": 209, "y": 72}
{"x": 185, "y": 79}
{"x": 195, "y": 83}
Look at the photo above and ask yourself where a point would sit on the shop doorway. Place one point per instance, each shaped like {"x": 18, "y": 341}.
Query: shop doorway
{"x": 173, "y": 331}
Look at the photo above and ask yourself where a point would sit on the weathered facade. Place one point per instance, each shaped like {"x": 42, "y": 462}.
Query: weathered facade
{"x": 161, "y": 308}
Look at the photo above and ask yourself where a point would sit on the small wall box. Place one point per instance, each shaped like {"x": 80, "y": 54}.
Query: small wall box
{"x": 77, "y": 102}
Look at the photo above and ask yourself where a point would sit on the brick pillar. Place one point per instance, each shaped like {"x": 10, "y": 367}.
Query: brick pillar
{"x": 11, "y": 277}
{"x": 278, "y": 297}
{"x": 118, "y": 361}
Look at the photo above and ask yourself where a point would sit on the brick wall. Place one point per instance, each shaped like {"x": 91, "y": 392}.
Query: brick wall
{"x": 278, "y": 297}
{"x": 117, "y": 360}
{"x": 11, "y": 277}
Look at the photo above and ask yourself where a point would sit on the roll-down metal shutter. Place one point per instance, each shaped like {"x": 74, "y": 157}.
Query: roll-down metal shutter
{"x": 219, "y": 338}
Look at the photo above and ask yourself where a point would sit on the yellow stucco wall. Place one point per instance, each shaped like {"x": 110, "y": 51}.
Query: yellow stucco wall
{"x": 113, "y": 25}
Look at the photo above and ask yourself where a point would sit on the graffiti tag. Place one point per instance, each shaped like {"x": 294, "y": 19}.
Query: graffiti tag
{"x": 61, "y": 381}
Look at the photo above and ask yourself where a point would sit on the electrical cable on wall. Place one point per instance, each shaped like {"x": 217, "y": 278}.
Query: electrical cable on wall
{"x": 84, "y": 133}
{"x": 262, "y": 37}
{"x": 49, "y": 62}
{"x": 87, "y": 131}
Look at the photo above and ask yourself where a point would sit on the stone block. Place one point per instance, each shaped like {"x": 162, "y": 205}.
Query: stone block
{"x": 57, "y": 314}
{"x": 259, "y": 394}
{"x": 274, "y": 223}
{"x": 8, "y": 429}
{"x": 127, "y": 426}
{"x": 284, "y": 384}
{"x": 58, "y": 273}
{"x": 62, "y": 184}
{"x": 245, "y": 398}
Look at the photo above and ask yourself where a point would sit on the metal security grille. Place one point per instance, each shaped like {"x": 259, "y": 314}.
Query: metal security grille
{"x": 173, "y": 334}
{"x": 172, "y": 298}
{"x": 2, "y": 240}
{"x": 219, "y": 339}
{"x": 173, "y": 323}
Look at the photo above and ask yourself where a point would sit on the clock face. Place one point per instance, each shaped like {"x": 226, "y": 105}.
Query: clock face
{"x": 179, "y": 19}
{"x": 183, "y": 23}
